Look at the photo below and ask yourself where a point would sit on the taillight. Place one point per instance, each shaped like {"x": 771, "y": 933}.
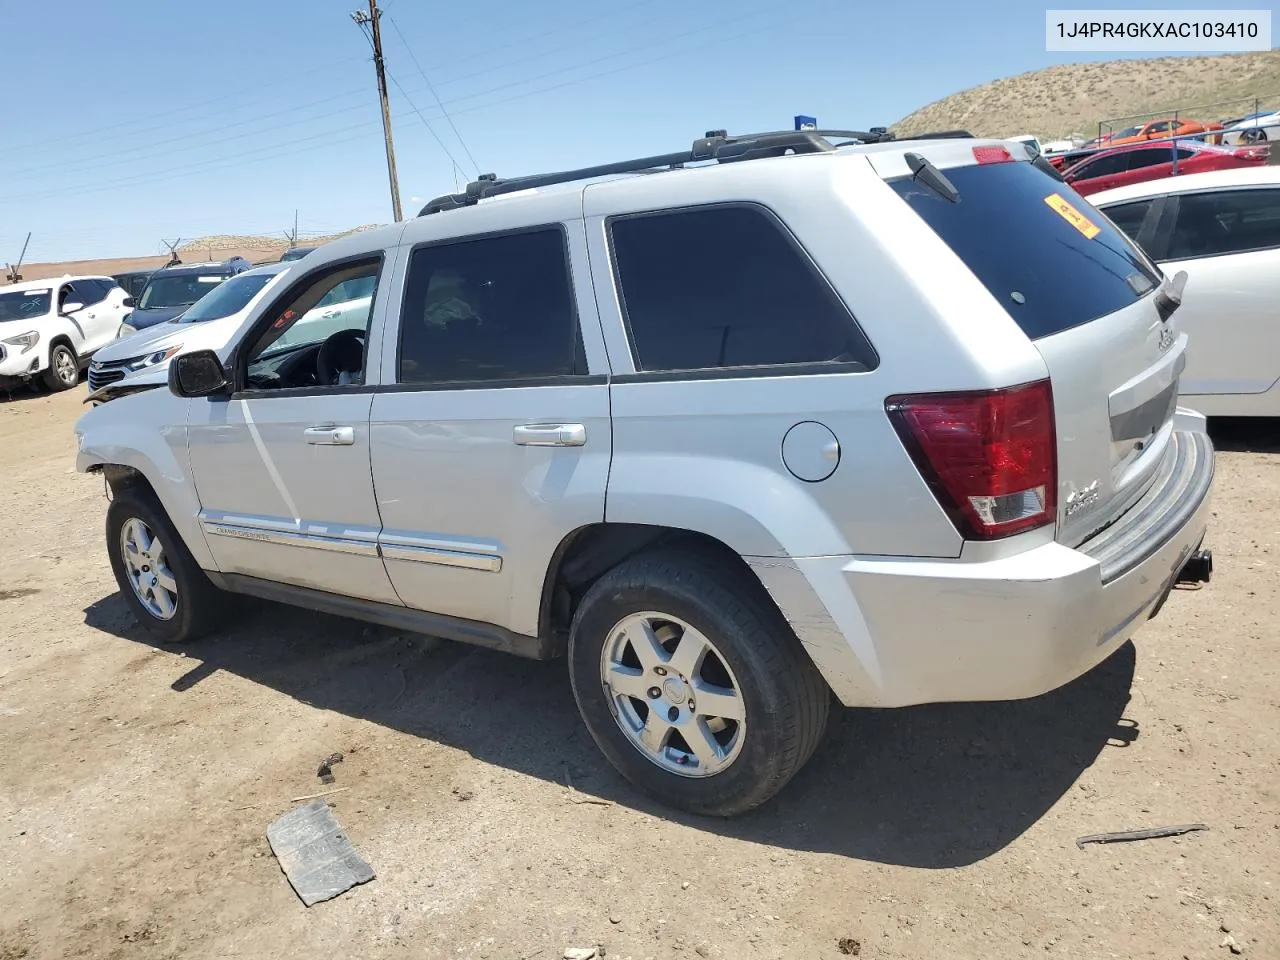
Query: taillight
{"x": 990, "y": 456}
{"x": 1254, "y": 153}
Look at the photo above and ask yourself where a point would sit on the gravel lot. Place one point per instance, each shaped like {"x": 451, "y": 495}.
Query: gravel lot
{"x": 136, "y": 784}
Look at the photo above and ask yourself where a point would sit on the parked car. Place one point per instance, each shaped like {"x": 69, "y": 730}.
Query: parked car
{"x": 1162, "y": 130}
{"x": 140, "y": 362}
{"x": 1028, "y": 140}
{"x": 207, "y": 324}
{"x": 1256, "y": 128}
{"x": 1223, "y": 230}
{"x": 50, "y": 328}
{"x": 295, "y": 253}
{"x": 1140, "y": 162}
{"x": 133, "y": 282}
{"x": 170, "y": 290}
{"x": 1069, "y": 158}
{"x": 735, "y": 440}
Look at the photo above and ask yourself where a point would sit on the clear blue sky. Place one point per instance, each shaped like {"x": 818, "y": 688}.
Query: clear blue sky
{"x": 145, "y": 119}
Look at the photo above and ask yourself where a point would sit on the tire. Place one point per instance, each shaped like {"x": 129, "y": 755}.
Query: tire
{"x": 783, "y": 701}
{"x": 193, "y": 606}
{"x": 64, "y": 368}
{"x": 1254, "y": 135}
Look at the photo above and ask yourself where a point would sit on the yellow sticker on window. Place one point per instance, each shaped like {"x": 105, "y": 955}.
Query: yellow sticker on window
{"x": 1058, "y": 203}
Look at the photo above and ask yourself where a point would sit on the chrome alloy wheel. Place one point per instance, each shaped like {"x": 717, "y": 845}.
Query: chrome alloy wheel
{"x": 148, "y": 569}
{"x": 673, "y": 695}
{"x": 64, "y": 367}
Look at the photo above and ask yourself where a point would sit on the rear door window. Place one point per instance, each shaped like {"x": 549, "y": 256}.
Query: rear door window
{"x": 1226, "y": 221}
{"x": 1129, "y": 217}
{"x": 1046, "y": 255}
{"x": 1149, "y": 158}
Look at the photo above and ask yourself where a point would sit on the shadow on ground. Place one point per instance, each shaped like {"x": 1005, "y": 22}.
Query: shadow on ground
{"x": 1246, "y": 434}
{"x": 937, "y": 786}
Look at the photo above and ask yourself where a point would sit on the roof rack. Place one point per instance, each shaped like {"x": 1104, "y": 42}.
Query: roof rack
{"x": 716, "y": 146}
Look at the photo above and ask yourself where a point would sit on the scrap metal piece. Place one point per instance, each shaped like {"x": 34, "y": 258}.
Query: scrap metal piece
{"x": 315, "y": 854}
{"x": 1123, "y": 836}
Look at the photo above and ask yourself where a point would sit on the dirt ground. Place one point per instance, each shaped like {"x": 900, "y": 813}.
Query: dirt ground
{"x": 136, "y": 784}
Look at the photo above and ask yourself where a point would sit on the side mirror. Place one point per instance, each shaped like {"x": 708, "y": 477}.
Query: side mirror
{"x": 68, "y": 308}
{"x": 130, "y": 302}
{"x": 197, "y": 374}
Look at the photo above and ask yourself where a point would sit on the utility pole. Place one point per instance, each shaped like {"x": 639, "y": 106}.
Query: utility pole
{"x": 372, "y": 19}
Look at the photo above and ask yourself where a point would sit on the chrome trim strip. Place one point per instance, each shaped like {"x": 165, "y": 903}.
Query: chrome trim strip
{"x": 360, "y": 548}
{"x": 489, "y": 563}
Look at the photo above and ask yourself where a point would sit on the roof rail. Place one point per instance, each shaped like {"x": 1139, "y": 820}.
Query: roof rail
{"x": 716, "y": 146}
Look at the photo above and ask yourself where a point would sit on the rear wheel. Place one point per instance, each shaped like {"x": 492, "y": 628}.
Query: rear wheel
{"x": 1254, "y": 135}
{"x": 169, "y": 595}
{"x": 693, "y": 685}
{"x": 64, "y": 368}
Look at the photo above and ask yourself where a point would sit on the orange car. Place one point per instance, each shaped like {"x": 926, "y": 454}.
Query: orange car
{"x": 1162, "y": 130}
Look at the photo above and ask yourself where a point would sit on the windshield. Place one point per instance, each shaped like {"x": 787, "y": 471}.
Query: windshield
{"x": 164, "y": 292}
{"x": 227, "y": 298}
{"x": 1047, "y": 256}
{"x": 296, "y": 253}
{"x": 24, "y": 304}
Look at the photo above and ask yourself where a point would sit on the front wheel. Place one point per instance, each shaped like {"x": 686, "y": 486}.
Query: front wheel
{"x": 167, "y": 592}
{"x": 692, "y": 684}
{"x": 64, "y": 368}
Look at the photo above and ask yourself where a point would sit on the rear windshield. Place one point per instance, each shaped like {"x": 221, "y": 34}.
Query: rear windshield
{"x": 24, "y": 304}
{"x": 1050, "y": 259}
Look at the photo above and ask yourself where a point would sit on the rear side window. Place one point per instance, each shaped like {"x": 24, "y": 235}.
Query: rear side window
{"x": 727, "y": 286}
{"x": 1101, "y": 166}
{"x": 490, "y": 309}
{"x": 1129, "y": 216}
{"x": 1046, "y": 255}
{"x": 1230, "y": 221}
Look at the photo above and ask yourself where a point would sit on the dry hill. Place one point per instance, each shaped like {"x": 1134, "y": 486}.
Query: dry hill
{"x": 220, "y": 247}
{"x": 1073, "y": 98}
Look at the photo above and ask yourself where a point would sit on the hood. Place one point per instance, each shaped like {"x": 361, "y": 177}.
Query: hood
{"x": 139, "y": 319}
{"x": 147, "y": 340}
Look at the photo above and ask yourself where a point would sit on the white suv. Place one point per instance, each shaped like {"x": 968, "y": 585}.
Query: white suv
{"x": 50, "y": 328}
{"x": 881, "y": 423}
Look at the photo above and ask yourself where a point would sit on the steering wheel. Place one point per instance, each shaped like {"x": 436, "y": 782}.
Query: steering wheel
{"x": 341, "y": 353}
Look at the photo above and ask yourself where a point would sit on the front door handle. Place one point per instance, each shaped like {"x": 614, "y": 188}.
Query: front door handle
{"x": 550, "y": 435}
{"x": 330, "y": 435}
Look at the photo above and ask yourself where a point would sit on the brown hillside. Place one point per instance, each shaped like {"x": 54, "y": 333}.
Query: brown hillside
{"x": 221, "y": 247}
{"x": 1072, "y": 98}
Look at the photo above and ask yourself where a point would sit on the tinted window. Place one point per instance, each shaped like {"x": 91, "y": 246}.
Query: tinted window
{"x": 1149, "y": 158}
{"x": 727, "y": 287}
{"x": 1129, "y": 216}
{"x": 25, "y": 304}
{"x": 1232, "y": 221}
{"x": 497, "y": 308}
{"x": 87, "y": 292}
{"x": 1049, "y": 273}
{"x": 1101, "y": 166}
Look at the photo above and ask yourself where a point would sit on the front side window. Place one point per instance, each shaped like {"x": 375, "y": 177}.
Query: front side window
{"x": 1227, "y": 221}
{"x": 490, "y": 309}
{"x": 1149, "y": 158}
{"x": 727, "y": 286}
{"x": 307, "y": 345}
{"x": 1100, "y": 167}
{"x": 87, "y": 292}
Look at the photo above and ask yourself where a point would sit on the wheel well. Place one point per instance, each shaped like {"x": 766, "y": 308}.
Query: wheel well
{"x": 63, "y": 339}
{"x": 121, "y": 479}
{"x": 590, "y": 552}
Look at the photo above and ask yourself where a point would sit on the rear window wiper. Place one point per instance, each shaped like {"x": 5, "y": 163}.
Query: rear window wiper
{"x": 923, "y": 171}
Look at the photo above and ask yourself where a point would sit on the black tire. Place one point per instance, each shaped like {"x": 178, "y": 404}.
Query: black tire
{"x": 199, "y": 603}
{"x": 786, "y": 700}
{"x": 1254, "y": 135}
{"x": 51, "y": 378}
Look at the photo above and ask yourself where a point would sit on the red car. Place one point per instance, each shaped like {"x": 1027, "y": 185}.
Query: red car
{"x": 1139, "y": 162}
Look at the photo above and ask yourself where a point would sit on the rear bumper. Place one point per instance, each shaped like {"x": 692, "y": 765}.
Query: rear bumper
{"x": 892, "y": 632}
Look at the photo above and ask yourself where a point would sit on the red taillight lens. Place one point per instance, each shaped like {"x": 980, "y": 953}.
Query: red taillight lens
{"x": 990, "y": 456}
{"x": 1254, "y": 153}
{"x": 992, "y": 155}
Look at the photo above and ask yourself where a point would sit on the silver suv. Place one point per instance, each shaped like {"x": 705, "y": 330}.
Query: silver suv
{"x": 797, "y": 417}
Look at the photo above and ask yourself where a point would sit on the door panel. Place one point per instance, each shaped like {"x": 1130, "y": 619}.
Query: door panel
{"x": 277, "y": 505}
{"x": 472, "y": 517}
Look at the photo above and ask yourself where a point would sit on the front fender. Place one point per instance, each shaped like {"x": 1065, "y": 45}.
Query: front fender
{"x": 148, "y": 433}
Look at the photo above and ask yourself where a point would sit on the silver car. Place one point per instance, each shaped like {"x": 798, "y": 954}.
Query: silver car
{"x": 797, "y": 418}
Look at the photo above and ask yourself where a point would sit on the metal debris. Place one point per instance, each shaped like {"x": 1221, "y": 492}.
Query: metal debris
{"x": 315, "y": 854}
{"x": 325, "y": 773}
{"x": 1124, "y": 836}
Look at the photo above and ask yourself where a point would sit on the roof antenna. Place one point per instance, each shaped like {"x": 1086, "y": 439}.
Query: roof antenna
{"x": 174, "y": 259}
{"x": 11, "y": 270}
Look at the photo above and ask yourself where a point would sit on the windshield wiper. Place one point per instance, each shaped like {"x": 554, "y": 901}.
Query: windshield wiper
{"x": 923, "y": 171}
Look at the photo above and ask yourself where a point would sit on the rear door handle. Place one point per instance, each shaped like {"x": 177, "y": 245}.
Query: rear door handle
{"x": 330, "y": 435}
{"x": 550, "y": 435}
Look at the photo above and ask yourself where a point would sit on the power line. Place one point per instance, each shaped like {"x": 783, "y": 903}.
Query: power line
{"x": 430, "y": 129}
{"x": 395, "y": 26}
